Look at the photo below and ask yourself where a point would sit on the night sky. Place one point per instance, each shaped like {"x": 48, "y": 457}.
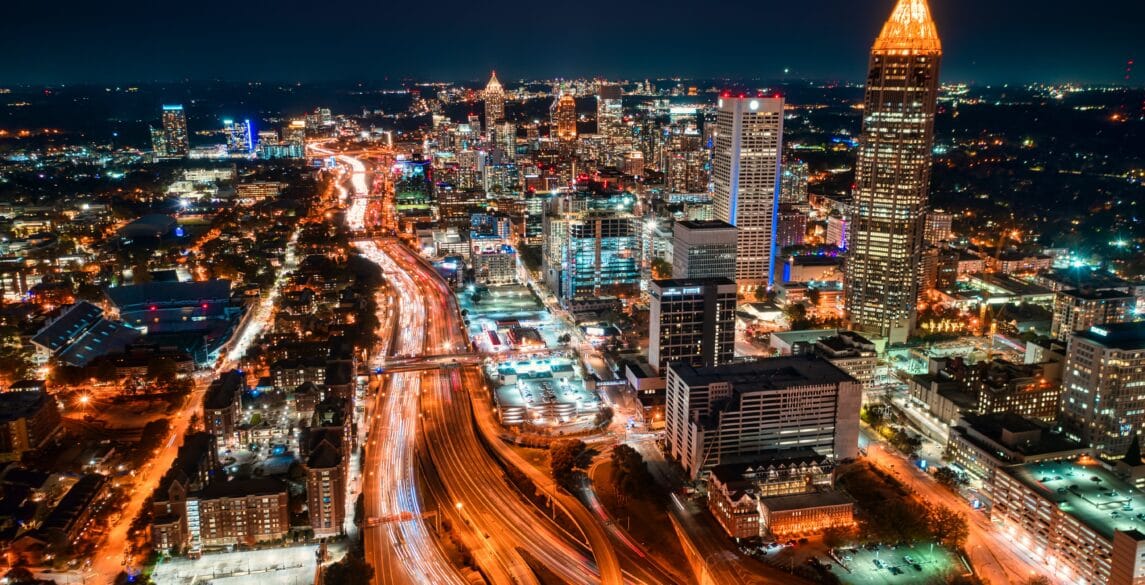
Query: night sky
{"x": 985, "y": 41}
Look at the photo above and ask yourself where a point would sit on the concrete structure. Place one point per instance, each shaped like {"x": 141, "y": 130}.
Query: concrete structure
{"x": 892, "y": 174}
{"x": 692, "y": 321}
{"x": 1104, "y": 386}
{"x": 806, "y": 514}
{"x": 704, "y": 249}
{"x": 851, "y": 353}
{"x": 1077, "y": 518}
{"x": 980, "y": 444}
{"x": 746, "y": 175}
{"x": 28, "y": 419}
{"x": 738, "y": 410}
{"x": 222, "y": 408}
{"x": 1078, "y": 310}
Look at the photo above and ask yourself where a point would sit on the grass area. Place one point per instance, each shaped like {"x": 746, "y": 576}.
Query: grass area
{"x": 644, "y": 519}
{"x": 538, "y": 458}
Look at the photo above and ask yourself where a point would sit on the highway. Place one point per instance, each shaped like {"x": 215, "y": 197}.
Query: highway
{"x": 397, "y": 541}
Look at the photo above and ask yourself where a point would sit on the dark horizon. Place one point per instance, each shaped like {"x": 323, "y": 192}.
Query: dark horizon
{"x": 985, "y": 42}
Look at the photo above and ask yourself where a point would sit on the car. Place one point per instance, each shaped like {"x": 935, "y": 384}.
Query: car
{"x": 878, "y": 564}
{"x": 917, "y": 567}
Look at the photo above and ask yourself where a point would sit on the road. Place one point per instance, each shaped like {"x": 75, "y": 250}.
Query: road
{"x": 112, "y": 556}
{"x": 992, "y": 556}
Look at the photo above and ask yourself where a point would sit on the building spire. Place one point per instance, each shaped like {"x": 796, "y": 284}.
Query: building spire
{"x": 909, "y": 28}
{"x": 494, "y": 83}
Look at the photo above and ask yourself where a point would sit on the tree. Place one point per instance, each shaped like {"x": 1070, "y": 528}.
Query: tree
{"x": 162, "y": 370}
{"x": 566, "y": 457}
{"x": 761, "y": 293}
{"x": 661, "y": 269}
{"x": 351, "y": 570}
{"x": 948, "y": 477}
{"x": 948, "y": 527}
{"x": 630, "y": 475}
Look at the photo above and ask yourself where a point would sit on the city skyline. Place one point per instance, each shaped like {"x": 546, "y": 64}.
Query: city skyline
{"x": 99, "y": 44}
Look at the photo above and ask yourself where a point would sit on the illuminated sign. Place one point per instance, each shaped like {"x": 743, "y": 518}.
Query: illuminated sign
{"x": 1099, "y": 331}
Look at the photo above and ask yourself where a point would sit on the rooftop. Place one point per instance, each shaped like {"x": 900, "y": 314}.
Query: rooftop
{"x": 909, "y": 28}
{"x": 1117, "y": 335}
{"x": 705, "y": 224}
{"x": 801, "y": 501}
{"x": 18, "y": 405}
{"x": 776, "y": 373}
{"x": 1090, "y": 493}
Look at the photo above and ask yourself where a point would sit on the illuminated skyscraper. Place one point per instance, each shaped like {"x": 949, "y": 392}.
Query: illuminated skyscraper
{"x": 564, "y": 117}
{"x": 494, "y": 102}
{"x": 239, "y": 136}
{"x": 745, "y": 172}
{"x": 893, "y": 174}
{"x": 175, "y": 131}
{"x": 793, "y": 188}
{"x": 609, "y": 109}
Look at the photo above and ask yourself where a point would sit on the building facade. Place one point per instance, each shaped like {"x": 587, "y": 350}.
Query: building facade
{"x": 893, "y": 174}
{"x": 746, "y": 177}
{"x": 1103, "y": 381}
{"x": 703, "y": 249}
{"x": 692, "y": 321}
{"x": 738, "y": 410}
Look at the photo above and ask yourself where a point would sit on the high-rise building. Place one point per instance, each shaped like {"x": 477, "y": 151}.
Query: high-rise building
{"x": 1078, "y": 310}
{"x": 494, "y": 102}
{"x": 692, "y": 321}
{"x": 609, "y": 109}
{"x": 591, "y": 246}
{"x": 1102, "y": 403}
{"x": 793, "y": 188}
{"x": 703, "y": 249}
{"x": 745, "y": 172}
{"x": 939, "y": 227}
{"x": 791, "y": 226}
{"x": 239, "y": 136}
{"x": 893, "y": 174}
{"x": 564, "y": 117}
{"x": 175, "y": 131}
{"x": 724, "y": 413}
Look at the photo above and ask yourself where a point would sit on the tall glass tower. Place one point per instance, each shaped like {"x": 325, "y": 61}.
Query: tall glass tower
{"x": 494, "y": 102}
{"x": 892, "y": 174}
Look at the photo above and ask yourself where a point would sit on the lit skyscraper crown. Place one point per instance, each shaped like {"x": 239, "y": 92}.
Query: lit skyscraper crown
{"x": 910, "y": 28}
{"x": 494, "y": 84}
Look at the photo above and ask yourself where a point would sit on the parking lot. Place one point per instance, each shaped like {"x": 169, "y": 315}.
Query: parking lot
{"x": 274, "y": 566}
{"x": 920, "y": 563}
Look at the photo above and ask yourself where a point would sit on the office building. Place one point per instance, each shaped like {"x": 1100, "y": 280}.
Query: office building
{"x": 892, "y": 174}
{"x": 1104, "y": 386}
{"x": 938, "y": 228}
{"x": 790, "y": 227}
{"x": 1078, "y": 310}
{"x": 564, "y": 117}
{"x": 703, "y": 249}
{"x": 793, "y": 187}
{"x": 692, "y": 321}
{"x": 222, "y": 408}
{"x": 591, "y": 247}
{"x": 609, "y": 109}
{"x": 1074, "y": 518}
{"x": 175, "y": 139}
{"x": 494, "y": 102}
{"x": 720, "y": 414}
{"x": 745, "y": 173}
{"x": 28, "y": 419}
{"x": 851, "y": 353}
{"x": 240, "y": 136}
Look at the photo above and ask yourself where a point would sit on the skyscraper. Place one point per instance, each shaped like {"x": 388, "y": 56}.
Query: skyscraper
{"x": 494, "y": 102}
{"x": 609, "y": 109}
{"x": 175, "y": 131}
{"x": 692, "y": 321}
{"x": 794, "y": 185}
{"x": 703, "y": 249}
{"x": 745, "y": 172}
{"x": 893, "y": 174}
{"x": 1101, "y": 383}
{"x": 239, "y": 136}
{"x": 564, "y": 117}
